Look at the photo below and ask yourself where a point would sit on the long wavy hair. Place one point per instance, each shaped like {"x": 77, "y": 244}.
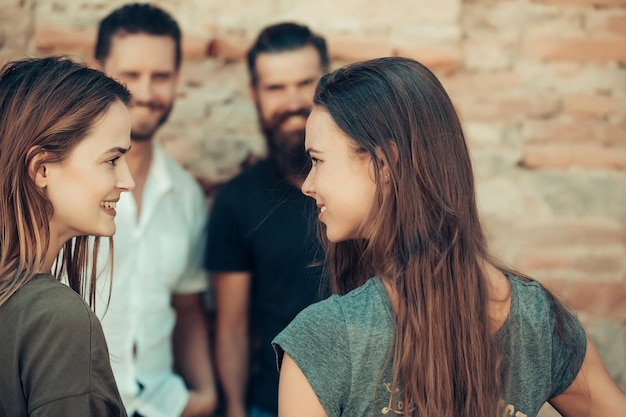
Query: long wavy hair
{"x": 425, "y": 237}
{"x": 47, "y": 105}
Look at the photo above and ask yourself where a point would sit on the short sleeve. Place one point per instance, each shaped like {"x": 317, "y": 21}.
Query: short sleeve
{"x": 569, "y": 346}
{"x": 226, "y": 249}
{"x": 317, "y": 341}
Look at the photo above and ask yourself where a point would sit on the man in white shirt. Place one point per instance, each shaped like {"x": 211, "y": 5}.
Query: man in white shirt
{"x": 154, "y": 322}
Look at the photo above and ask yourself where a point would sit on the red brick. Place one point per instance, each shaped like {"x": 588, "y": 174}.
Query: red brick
{"x": 600, "y": 50}
{"x": 352, "y": 49}
{"x": 231, "y": 47}
{"x": 498, "y": 109}
{"x": 443, "y": 57}
{"x": 587, "y": 3}
{"x": 533, "y": 259}
{"x": 594, "y": 105}
{"x": 471, "y": 82}
{"x": 583, "y": 132}
{"x": 51, "y": 40}
{"x": 195, "y": 47}
{"x": 616, "y": 25}
{"x": 606, "y": 299}
{"x": 603, "y": 263}
{"x": 572, "y": 232}
{"x": 81, "y": 41}
{"x": 566, "y": 156}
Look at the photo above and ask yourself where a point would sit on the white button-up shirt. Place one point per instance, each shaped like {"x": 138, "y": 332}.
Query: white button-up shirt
{"x": 156, "y": 255}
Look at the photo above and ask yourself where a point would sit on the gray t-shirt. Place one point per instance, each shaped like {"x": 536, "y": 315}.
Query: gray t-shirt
{"x": 341, "y": 345}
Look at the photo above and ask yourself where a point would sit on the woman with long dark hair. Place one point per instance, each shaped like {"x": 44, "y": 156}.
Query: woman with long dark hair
{"x": 64, "y": 130}
{"x": 425, "y": 322}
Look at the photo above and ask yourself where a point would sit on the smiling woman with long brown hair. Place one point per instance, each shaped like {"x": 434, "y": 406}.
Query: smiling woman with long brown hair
{"x": 64, "y": 130}
{"x": 425, "y": 322}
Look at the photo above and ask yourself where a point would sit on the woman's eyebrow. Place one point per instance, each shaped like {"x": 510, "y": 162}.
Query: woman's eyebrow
{"x": 119, "y": 149}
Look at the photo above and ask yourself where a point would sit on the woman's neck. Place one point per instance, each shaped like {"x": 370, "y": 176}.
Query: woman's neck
{"x": 50, "y": 258}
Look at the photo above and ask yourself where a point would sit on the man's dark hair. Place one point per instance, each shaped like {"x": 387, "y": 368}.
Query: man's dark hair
{"x": 134, "y": 19}
{"x": 285, "y": 37}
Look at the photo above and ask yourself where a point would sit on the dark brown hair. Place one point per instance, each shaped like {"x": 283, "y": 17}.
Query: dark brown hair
{"x": 426, "y": 239}
{"x": 283, "y": 37}
{"x": 137, "y": 18}
{"x": 46, "y": 105}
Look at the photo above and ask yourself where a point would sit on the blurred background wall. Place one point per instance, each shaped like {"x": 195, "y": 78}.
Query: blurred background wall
{"x": 540, "y": 86}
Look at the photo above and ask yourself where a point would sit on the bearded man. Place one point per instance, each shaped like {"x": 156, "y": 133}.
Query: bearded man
{"x": 261, "y": 246}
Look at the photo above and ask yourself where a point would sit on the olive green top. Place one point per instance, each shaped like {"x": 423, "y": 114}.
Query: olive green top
{"x": 54, "y": 359}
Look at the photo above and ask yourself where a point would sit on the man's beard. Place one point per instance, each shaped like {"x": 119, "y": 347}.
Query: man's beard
{"x": 286, "y": 149}
{"x": 148, "y": 133}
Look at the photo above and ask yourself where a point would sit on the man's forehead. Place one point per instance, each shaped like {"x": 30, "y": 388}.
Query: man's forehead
{"x": 288, "y": 66}
{"x": 125, "y": 36}
{"x": 142, "y": 51}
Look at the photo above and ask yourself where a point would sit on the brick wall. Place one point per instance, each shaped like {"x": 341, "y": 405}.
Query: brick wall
{"x": 540, "y": 86}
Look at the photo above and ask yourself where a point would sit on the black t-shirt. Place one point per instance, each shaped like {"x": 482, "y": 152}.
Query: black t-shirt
{"x": 261, "y": 224}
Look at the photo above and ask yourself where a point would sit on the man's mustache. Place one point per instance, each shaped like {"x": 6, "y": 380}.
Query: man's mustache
{"x": 280, "y": 118}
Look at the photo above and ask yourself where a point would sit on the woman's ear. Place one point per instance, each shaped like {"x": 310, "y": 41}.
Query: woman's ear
{"x": 37, "y": 168}
{"x": 385, "y": 170}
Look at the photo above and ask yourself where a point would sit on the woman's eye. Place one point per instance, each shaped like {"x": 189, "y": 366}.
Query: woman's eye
{"x": 113, "y": 161}
{"x": 314, "y": 161}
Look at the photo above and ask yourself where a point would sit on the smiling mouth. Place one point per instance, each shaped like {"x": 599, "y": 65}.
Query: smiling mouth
{"x": 322, "y": 209}
{"x": 108, "y": 204}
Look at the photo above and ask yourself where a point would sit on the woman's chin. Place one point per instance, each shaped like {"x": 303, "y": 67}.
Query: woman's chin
{"x": 107, "y": 231}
